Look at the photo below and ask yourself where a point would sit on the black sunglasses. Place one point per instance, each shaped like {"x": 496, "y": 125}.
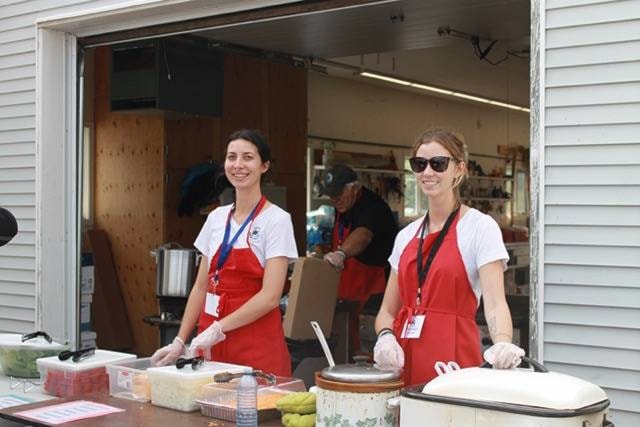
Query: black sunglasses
{"x": 438, "y": 163}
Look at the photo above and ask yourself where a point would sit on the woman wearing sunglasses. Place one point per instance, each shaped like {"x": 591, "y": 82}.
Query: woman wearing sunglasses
{"x": 441, "y": 265}
{"x": 246, "y": 249}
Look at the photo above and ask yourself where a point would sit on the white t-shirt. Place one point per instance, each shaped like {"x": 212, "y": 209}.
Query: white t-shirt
{"x": 479, "y": 240}
{"x": 271, "y": 234}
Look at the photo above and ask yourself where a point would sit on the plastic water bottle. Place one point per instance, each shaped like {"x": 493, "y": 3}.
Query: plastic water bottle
{"x": 247, "y": 399}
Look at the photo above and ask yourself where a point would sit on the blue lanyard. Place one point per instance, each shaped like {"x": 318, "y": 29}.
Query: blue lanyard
{"x": 226, "y": 246}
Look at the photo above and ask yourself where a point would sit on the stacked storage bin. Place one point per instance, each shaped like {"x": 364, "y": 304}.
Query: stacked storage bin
{"x": 87, "y": 336}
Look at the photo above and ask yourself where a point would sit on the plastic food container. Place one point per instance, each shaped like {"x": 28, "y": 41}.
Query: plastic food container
{"x": 179, "y": 388}
{"x": 129, "y": 380}
{"x": 218, "y": 400}
{"x": 69, "y": 378}
{"x": 18, "y": 359}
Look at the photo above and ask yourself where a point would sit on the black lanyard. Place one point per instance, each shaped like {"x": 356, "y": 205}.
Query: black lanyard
{"x": 423, "y": 271}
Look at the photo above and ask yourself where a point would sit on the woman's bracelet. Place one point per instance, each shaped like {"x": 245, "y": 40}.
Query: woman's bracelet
{"x": 384, "y": 331}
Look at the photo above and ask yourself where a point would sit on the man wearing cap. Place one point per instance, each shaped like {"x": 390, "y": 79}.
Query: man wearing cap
{"x": 363, "y": 234}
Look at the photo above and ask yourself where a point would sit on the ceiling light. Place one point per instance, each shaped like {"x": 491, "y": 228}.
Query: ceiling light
{"x": 428, "y": 88}
{"x": 510, "y": 106}
{"x": 471, "y": 97}
{"x": 385, "y": 78}
{"x": 431, "y": 88}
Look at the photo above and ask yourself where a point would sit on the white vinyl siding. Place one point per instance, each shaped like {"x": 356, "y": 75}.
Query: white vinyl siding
{"x": 592, "y": 197}
{"x": 17, "y": 151}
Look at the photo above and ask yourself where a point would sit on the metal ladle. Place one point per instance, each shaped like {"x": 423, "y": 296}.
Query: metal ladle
{"x": 323, "y": 342}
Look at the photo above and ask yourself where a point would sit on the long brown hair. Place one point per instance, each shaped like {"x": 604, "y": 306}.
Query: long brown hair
{"x": 453, "y": 144}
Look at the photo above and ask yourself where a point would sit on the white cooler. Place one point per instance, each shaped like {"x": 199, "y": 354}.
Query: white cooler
{"x": 485, "y": 397}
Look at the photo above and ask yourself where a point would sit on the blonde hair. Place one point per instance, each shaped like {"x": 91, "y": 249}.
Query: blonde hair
{"x": 454, "y": 144}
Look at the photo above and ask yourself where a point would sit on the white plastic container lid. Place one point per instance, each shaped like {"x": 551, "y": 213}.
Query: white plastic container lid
{"x": 524, "y": 387}
{"x": 100, "y": 358}
{"x": 14, "y": 341}
{"x": 207, "y": 369}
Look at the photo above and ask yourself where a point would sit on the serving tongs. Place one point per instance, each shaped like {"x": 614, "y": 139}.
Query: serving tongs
{"x": 195, "y": 362}
{"x": 225, "y": 377}
{"x": 37, "y": 334}
{"x": 77, "y": 356}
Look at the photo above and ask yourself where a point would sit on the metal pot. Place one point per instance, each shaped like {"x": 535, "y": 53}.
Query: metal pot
{"x": 355, "y": 394}
{"x": 177, "y": 269}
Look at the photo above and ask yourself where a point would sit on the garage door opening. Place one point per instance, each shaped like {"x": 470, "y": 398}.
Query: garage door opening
{"x": 359, "y": 84}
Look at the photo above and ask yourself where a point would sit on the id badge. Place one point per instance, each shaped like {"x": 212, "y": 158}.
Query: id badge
{"x": 212, "y": 304}
{"x": 413, "y": 327}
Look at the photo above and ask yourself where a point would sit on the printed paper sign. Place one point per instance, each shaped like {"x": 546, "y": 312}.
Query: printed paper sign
{"x": 9, "y": 400}
{"x": 67, "y": 412}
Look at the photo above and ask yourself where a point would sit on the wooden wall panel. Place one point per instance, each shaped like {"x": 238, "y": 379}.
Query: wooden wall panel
{"x": 245, "y": 95}
{"x": 129, "y": 201}
{"x": 287, "y": 110}
{"x": 189, "y": 142}
{"x": 272, "y": 98}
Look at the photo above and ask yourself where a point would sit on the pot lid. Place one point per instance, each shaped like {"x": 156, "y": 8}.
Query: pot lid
{"x": 518, "y": 386}
{"x": 98, "y": 359}
{"x": 37, "y": 343}
{"x": 205, "y": 370}
{"x": 359, "y": 372}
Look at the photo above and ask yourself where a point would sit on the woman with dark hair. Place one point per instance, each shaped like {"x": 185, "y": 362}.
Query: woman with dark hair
{"x": 246, "y": 248}
{"x": 441, "y": 265}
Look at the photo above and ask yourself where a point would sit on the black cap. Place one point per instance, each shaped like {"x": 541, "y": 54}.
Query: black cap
{"x": 336, "y": 178}
{"x": 8, "y": 226}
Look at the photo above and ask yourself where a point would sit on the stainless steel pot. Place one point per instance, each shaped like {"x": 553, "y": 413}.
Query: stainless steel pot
{"x": 177, "y": 269}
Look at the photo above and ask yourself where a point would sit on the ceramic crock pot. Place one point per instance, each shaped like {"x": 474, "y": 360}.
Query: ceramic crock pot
{"x": 485, "y": 397}
{"x": 356, "y": 394}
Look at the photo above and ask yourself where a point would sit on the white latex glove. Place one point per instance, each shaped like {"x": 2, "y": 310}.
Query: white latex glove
{"x": 169, "y": 353}
{"x": 387, "y": 353}
{"x": 504, "y": 355}
{"x": 336, "y": 259}
{"x": 207, "y": 339}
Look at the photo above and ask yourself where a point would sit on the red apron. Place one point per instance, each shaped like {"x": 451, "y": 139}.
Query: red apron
{"x": 358, "y": 281}
{"x": 449, "y": 332}
{"x": 260, "y": 344}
